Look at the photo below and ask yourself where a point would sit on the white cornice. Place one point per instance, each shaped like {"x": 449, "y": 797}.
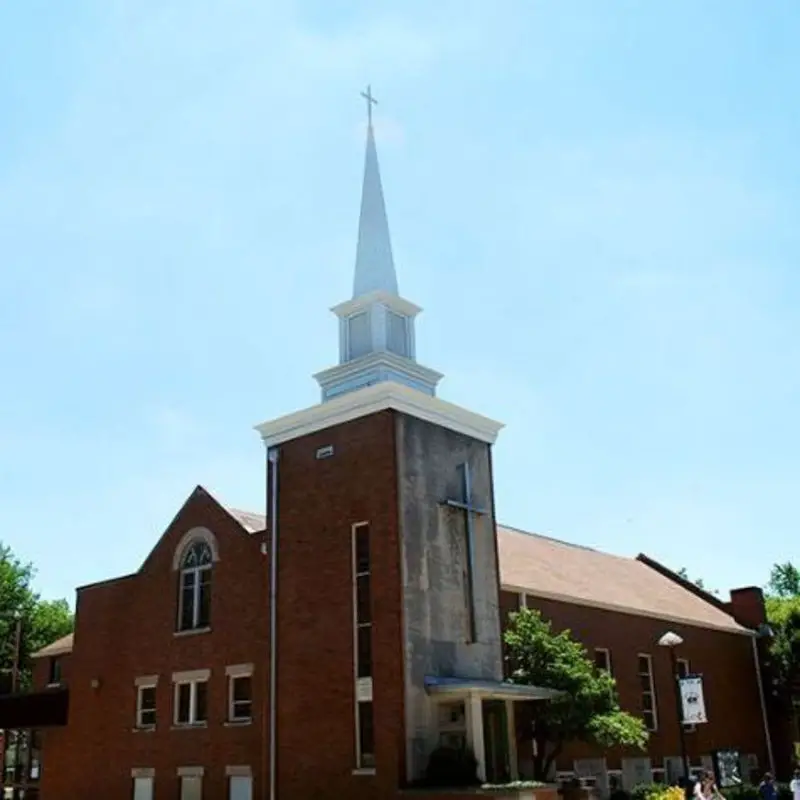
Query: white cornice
{"x": 403, "y": 365}
{"x": 392, "y": 301}
{"x": 372, "y": 399}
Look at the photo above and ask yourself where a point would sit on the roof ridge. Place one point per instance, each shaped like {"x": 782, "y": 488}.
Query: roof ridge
{"x": 544, "y": 536}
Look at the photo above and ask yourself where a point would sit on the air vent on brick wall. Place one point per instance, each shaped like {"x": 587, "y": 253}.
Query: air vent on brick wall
{"x": 324, "y": 452}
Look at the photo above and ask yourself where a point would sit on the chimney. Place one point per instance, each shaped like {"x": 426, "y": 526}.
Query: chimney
{"x": 747, "y": 606}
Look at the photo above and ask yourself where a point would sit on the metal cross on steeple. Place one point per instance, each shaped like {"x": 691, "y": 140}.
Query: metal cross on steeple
{"x": 371, "y": 101}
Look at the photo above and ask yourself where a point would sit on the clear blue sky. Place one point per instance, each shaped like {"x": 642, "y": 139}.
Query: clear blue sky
{"x": 596, "y": 204}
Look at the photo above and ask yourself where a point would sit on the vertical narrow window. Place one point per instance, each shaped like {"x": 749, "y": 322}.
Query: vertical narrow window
{"x": 647, "y": 686}
{"x": 359, "y": 335}
{"x": 55, "y": 676}
{"x": 397, "y": 334}
{"x": 362, "y": 645}
{"x": 684, "y": 672}
{"x": 240, "y": 693}
{"x": 191, "y": 787}
{"x": 602, "y": 659}
{"x": 195, "y": 587}
{"x": 146, "y": 702}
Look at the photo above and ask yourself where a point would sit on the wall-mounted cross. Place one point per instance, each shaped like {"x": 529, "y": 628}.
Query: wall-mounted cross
{"x": 465, "y": 504}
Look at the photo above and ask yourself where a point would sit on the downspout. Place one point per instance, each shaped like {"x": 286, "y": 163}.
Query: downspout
{"x": 272, "y": 457}
{"x": 761, "y": 697}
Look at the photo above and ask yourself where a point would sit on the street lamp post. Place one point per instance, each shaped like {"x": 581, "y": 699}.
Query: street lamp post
{"x": 672, "y": 641}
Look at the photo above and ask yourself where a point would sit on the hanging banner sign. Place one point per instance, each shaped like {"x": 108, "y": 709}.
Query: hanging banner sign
{"x": 693, "y": 702}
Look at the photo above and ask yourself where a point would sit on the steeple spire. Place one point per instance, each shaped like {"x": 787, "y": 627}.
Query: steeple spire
{"x": 376, "y": 327}
{"x": 374, "y": 262}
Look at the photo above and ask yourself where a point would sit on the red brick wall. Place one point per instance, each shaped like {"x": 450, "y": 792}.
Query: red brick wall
{"x": 724, "y": 659}
{"x": 41, "y": 671}
{"x": 320, "y": 500}
{"x": 125, "y": 629}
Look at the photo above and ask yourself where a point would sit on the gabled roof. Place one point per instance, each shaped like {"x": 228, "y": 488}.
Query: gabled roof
{"x": 551, "y": 569}
{"x": 56, "y": 648}
{"x": 252, "y": 523}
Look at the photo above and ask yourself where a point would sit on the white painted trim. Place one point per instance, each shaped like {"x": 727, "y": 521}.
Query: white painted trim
{"x": 142, "y": 772}
{"x": 375, "y": 398}
{"x": 198, "y": 534}
{"x": 191, "y": 676}
{"x": 146, "y": 681}
{"x": 634, "y": 612}
{"x": 351, "y": 369}
{"x": 651, "y": 677}
{"x": 238, "y": 772}
{"x": 239, "y": 670}
{"x": 191, "y": 772}
{"x": 392, "y": 301}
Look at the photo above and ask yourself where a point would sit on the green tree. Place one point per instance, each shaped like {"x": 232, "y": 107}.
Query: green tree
{"x": 784, "y": 580}
{"x": 783, "y": 616}
{"x": 41, "y": 621}
{"x": 589, "y": 710}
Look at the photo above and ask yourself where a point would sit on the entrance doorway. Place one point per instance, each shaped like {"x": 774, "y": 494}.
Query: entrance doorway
{"x": 495, "y": 739}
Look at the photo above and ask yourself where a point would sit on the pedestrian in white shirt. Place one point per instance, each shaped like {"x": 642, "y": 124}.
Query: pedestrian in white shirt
{"x": 794, "y": 785}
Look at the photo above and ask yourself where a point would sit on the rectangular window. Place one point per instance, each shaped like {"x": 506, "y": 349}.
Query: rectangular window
{"x": 366, "y": 736}
{"x": 647, "y": 686}
{"x": 195, "y": 599}
{"x": 191, "y": 787}
{"x": 54, "y": 676}
{"x": 146, "y": 705}
{"x": 397, "y": 333}
{"x": 602, "y": 659}
{"x": 191, "y": 702}
{"x": 684, "y": 672}
{"x": 142, "y": 789}
{"x": 362, "y": 646}
{"x": 362, "y": 600}
{"x": 359, "y": 335}
{"x": 240, "y": 787}
{"x": 240, "y": 698}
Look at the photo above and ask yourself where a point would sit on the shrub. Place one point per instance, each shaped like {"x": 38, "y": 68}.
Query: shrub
{"x": 450, "y": 767}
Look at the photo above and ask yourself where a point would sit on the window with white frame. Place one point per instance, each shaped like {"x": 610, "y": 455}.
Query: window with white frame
{"x": 602, "y": 659}
{"x": 146, "y": 701}
{"x": 684, "y": 672}
{"x": 194, "y": 600}
{"x": 143, "y": 787}
{"x": 191, "y": 783}
{"x": 240, "y": 693}
{"x": 240, "y": 787}
{"x": 362, "y": 645}
{"x": 191, "y": 698}
{"x": 647, "y": 686}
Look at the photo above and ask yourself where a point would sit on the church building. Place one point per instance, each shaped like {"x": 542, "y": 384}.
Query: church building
{"x": 325, "y": 648}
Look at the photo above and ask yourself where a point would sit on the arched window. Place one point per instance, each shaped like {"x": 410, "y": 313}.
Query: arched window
{"x": 195, "y": 586}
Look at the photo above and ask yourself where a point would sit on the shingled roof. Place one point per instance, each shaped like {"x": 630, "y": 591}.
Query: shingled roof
{"x": 56, "y": 648}
{"x": 548, "y": 568}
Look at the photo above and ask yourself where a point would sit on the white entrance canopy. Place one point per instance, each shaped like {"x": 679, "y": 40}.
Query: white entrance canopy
{"x": 473, "y": 692}
{"x": 488, "y": 690}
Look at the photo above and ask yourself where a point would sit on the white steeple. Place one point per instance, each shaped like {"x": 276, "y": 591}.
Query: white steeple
{"x": 376, "y": 327}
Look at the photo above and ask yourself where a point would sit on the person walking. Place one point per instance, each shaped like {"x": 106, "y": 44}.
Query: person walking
{"x": 706, "y": 787}
{"x": 794, "y": 785}
{"x": 767, "y": 790}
